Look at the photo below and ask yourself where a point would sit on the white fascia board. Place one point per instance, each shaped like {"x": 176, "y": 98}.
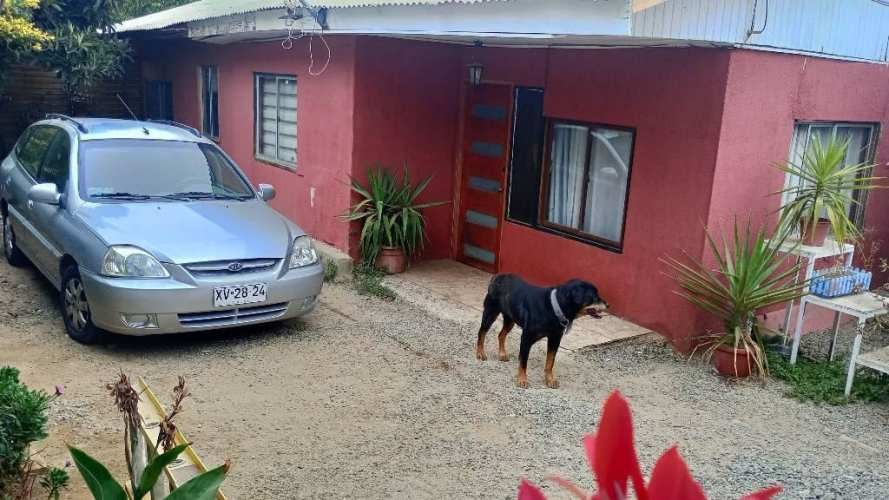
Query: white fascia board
{"x": 518, "y": 18}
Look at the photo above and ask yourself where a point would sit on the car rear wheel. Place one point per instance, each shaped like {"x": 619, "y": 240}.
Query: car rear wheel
{"x": 76, "y": 309}
{"x": 11, "y": 251}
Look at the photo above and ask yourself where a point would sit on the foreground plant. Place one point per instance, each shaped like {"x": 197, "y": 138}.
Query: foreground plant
{"x": 751, "y": 275}
{"x": 611, "y": 453}
{"x": 145, "y": 474}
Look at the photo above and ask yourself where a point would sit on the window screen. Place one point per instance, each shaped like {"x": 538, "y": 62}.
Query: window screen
{"x": 276, "y": 119}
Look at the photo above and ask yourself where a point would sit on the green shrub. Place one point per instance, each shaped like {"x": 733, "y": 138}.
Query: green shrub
{"x": 22, "y": 422}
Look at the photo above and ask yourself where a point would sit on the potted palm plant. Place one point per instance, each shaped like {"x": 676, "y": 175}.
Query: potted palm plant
{"x": 750, "y": 275}
{"x": 393, "y": 227}
{"x": 820, "y": 201}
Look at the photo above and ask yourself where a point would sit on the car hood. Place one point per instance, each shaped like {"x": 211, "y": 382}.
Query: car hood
{"x": 196, "y": 231}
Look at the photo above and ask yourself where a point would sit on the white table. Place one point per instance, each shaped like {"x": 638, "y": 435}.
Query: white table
{"x": 829, "y": 249}
{"x": 862, "y": 306}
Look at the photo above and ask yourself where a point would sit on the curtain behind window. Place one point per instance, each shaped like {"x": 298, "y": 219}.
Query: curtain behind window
{"x": 569, "y": 148}
{"x": 607, "y": 190}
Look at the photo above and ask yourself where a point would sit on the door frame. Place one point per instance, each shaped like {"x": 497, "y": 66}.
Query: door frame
{"x": 456, "y": 222}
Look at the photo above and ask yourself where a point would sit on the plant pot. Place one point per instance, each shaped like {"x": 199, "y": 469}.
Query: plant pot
{"x": 724, "y": 361}
{"x": 392, "y": 260}
{"x": 814, "y": 236}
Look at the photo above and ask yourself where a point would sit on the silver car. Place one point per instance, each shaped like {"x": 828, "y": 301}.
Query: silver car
{"x": 148, "y": 228}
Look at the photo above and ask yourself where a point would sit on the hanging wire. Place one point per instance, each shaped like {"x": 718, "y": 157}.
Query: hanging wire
{"x": 287, "y": 42}
{"x": 312, "y": 54}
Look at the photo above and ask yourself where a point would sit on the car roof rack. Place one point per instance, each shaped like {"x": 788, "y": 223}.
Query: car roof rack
{"x": 60, "y": 116}
{"x": 176, "y": 124}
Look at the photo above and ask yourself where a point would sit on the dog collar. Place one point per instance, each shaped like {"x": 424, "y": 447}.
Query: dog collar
{"x": 563, "y": 320}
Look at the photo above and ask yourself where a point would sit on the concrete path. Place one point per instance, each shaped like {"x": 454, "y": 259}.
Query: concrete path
{"x": 450, "y": 290}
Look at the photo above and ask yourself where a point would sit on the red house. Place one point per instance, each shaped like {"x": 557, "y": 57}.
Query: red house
{"x": 576, "y": 138}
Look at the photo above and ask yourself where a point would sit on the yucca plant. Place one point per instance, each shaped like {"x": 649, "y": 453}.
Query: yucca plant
{"x": 390, "y": 213}
{"x": 751, "y": 274}
{"x": 825, "y": 188}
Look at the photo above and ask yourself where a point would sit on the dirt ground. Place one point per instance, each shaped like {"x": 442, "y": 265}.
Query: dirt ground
{"x": 372, "y": 399}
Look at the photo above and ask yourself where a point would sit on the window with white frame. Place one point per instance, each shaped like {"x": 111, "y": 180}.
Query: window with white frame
{"x": 276, "y": 119}
{"x": 860, "y": 139}
{"x": 210, "y": 101}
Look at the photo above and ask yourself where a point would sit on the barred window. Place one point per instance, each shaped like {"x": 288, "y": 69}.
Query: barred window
{"x": 276, "y": 119}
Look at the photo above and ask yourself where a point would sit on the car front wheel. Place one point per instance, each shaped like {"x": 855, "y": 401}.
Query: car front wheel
{"x": 76, "y": 309}
{"x": 11, "y": 251}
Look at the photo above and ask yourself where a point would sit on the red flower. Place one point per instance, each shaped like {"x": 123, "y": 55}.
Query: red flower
{"x": 612, "y": 456}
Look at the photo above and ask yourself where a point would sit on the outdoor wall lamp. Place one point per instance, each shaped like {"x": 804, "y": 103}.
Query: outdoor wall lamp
{"x": 475, "y": 68}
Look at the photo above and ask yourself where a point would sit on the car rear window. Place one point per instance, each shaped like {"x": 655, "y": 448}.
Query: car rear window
{"x": 156, "y": 168}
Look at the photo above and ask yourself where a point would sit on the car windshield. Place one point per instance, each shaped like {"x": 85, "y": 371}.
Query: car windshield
{"x": 138, "y": 169}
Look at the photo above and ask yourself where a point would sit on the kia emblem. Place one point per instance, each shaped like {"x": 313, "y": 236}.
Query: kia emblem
{"x": 235, "y": 267}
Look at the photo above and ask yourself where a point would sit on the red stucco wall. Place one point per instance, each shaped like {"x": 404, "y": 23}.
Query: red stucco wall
{"x": 317, "y": 191}
{"x": 766, "y": 94}
{"x": 407, "y": 101}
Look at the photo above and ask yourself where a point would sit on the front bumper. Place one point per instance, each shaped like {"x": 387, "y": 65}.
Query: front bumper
{"x": 182, "y": 303}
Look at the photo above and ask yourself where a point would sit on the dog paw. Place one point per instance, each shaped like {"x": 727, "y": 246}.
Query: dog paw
{"x": 522, "y": 383}
{"x": 552, "y": 384}
{"x": 504, "y": 357}
{"x": 481, "y": 356}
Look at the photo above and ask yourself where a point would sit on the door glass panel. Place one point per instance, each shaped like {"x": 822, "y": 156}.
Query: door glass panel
{"x": 486, "y": 112}
{"x": 487, "y": 149}
{"x": 478, "y": 253}
{"x": 481, "y": 219}
{"x": 482, "y": 184}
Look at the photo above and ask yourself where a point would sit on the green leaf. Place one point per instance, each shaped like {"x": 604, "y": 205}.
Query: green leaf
{"x": 201, "y": 487}
{"x": 97, "y": 477}
{"x": 155, "y": 468}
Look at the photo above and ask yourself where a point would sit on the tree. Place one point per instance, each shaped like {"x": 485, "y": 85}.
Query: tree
{"x": 19, "y": 36}
{"x": 83, "y": 48}
{"x": 128, "y": 9}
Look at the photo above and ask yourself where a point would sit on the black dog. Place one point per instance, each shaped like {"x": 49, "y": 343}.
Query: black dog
{"x": 541, "y": 312}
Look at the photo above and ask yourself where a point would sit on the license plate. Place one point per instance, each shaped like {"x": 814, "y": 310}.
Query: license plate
{"x": 237, "y": 295}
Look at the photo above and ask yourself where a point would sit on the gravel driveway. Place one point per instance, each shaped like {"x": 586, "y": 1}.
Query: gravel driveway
{"x": 372, "y": 399}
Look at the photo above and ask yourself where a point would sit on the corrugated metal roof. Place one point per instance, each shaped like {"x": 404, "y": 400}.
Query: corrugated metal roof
{"x": 208, "y": 9}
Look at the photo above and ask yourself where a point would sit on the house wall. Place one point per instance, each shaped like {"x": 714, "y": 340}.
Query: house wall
{"x": 407, "y": 101}
{"x": 766, "y": 94}
{"x": 316, "y": 192}
{"x": 673, "y": 99}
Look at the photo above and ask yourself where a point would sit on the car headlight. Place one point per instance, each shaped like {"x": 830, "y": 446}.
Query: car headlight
{"x": 124, "y": 261}
{"x": 303, "y": 253}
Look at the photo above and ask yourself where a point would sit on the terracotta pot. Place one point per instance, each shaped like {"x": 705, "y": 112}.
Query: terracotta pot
{"x": 724, "y": 361}
{"x": 392, "y": 260}
{"x": 814, "y": 236}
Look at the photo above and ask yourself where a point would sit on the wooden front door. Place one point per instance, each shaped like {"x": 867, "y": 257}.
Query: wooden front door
{"x": 485, "y": 154}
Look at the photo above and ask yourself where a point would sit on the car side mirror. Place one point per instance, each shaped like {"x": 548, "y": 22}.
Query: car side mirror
{"x": 46, "y": 193}
{"x": 267, "y": 192}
